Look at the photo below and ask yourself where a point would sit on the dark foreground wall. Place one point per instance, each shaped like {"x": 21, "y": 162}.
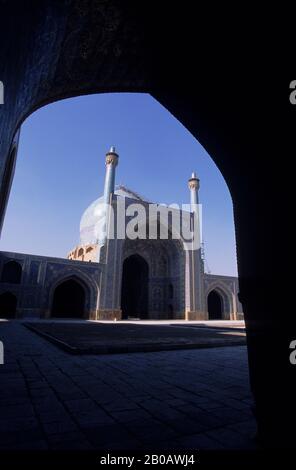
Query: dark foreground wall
{"x": 222, "y": 74}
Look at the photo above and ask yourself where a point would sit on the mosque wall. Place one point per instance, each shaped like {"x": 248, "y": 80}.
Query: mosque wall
{"x": 227, "y": 288}
{"x": 33, "y": 279}
{"x": 39, "y": 276}
{"x": 84, "y": 253}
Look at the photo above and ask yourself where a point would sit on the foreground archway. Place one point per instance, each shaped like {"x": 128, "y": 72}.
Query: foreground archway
{"x": 134, "y": 291}
{"x": 68, "y": 300}
{"x": 8, "y": 302}
{"x": 215, "y": 306}
{"x": 190, "y": 97}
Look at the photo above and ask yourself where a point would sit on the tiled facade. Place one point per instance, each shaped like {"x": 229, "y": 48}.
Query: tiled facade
{"x": 175, "y": 285}
{"x": 40, "y": 275}
{"x": 168, "y": 286}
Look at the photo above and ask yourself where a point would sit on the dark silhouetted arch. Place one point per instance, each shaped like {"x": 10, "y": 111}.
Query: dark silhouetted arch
{"x": 12, "y": 272}
{"x": 5, "y": 184}
{"x": 215, "y": 306}
{"x": 134, "y": 292}
{"x": 111, "y": 47}
{"x": 8, "y": 303}
{"x": 68, "y": 300}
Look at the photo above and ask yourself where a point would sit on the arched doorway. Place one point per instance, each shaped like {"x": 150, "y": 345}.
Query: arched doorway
{"x": 134, "y": 291}
{"x": 8, "y": 303}
{"x": 68, "y": 300}
{"x": 215, "y": 306}
{"x": 12, "y": 272}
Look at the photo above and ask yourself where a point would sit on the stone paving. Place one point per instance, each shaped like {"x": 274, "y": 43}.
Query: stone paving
{"x": 168, "y": 400}
{"x": 88, "y": 337}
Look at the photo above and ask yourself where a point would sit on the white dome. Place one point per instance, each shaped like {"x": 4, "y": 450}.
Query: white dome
{"x": 93, "y": 220}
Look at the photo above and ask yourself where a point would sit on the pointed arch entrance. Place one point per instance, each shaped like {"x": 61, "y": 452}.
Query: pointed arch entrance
{"x": 12, "y": 272}
{"x": 68, "y": 300}
{"x": 215, "y": 306}
{"x": 8, "y": 302}
{"x": 134, "y": 291}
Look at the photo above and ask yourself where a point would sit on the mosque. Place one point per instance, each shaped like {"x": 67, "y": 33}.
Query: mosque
{"x": 125, "y": 267}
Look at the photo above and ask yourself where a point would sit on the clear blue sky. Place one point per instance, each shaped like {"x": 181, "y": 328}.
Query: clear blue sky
{"x": 60, "y": 171}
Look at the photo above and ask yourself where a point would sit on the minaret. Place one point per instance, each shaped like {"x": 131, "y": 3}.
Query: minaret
{"x": 111, "y": 163}
{"x": 193, "y": 184}
{"x": 195, "y": 309}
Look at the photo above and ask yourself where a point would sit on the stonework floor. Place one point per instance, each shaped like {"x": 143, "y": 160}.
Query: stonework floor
{"x": 88, "y": 337}
{"x": 186, "y": 399}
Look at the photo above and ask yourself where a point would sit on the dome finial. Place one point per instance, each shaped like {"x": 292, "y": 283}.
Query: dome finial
{"x": 112, "y": 149}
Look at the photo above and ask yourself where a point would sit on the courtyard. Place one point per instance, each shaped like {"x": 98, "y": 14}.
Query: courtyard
{"x": 105, "y": 337}
{"x": 163, "y": 400}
